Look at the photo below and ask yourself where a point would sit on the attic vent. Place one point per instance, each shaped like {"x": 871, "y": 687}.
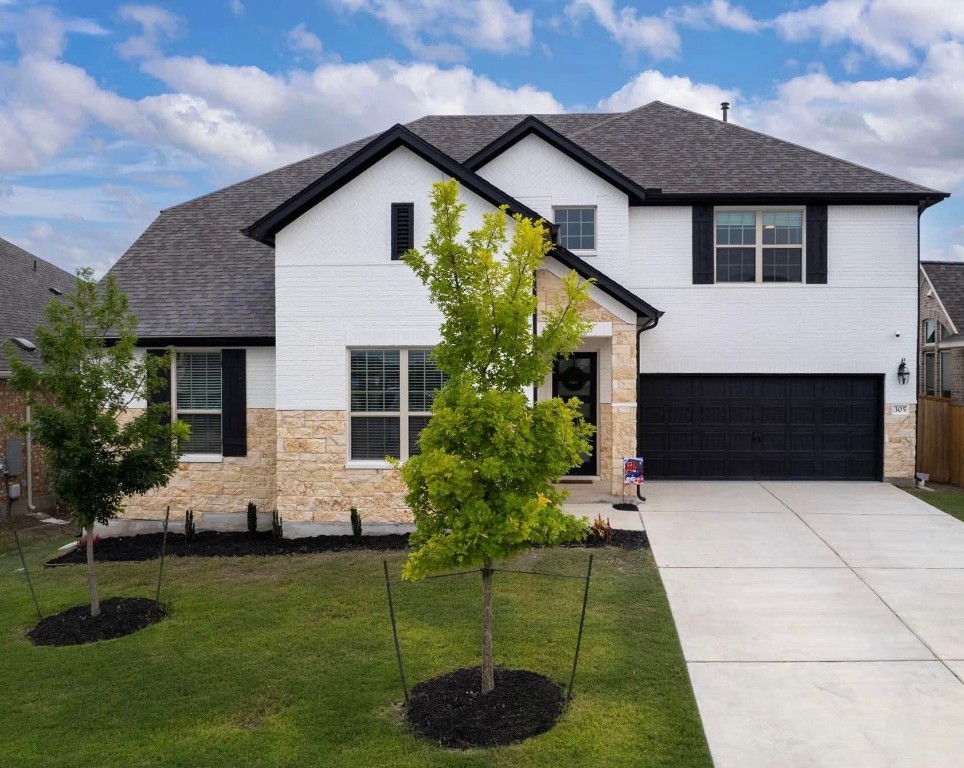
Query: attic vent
{"x": 25, "y": 344}
{"x": 403, "y": 229}
{"x": 56, "y": 291}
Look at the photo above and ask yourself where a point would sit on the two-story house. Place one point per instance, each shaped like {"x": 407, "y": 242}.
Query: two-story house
{"x": 752, "y": 303}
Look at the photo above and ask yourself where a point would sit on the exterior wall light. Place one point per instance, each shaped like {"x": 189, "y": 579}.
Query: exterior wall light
{"x": 903, "y": 374}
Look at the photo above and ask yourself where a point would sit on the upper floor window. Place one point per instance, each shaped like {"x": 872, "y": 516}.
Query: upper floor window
{"x": 759, "y": 246}
{"x": 197, "y": 399}
{"x": 577, "y": 228}
{"x": 392, "y": 391}
{"x": 930, "y": 330}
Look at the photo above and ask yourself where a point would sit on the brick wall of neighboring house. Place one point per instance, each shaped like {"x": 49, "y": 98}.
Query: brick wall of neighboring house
{"x": 12, "y": 407}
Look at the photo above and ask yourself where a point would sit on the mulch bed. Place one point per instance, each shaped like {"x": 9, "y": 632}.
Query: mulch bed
{"x": 451, "y": 710}
{"x": 147, "y": 546}
{"x": 119, "y": 616}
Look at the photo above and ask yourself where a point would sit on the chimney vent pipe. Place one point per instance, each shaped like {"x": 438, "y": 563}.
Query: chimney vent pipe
{"x": 726, "y": 108}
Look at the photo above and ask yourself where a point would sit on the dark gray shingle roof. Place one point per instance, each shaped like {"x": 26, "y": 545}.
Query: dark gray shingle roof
{"x": 193, "y": 273}
{"x": 947, "y": 277}
{"x": 26, "y": 282}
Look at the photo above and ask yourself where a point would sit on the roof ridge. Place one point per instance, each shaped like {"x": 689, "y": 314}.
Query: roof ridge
{"x": 35, "y": 257}
{"x": 614, "y": 116}
{"x": 801, "y": 146}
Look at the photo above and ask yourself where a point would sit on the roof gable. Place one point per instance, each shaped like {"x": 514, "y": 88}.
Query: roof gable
{"x": 533, "y": 126}
{"x": 947, "y": 279}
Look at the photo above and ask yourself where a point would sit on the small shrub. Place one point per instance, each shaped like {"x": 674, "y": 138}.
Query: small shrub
{"x": 277, "y": 525}
{"x": 355, "y": 523}
{"x": 252, "y": 518}
{"x": 601, "y": 530}
{"x": 189, "y": 530}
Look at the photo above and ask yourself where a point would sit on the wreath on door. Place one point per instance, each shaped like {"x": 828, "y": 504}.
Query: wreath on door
{"x": 574, "y": 377}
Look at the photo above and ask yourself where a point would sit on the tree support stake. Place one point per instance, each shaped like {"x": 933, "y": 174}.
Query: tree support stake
{"x": 582, "y": 621}
{"x": 398, "y": 649}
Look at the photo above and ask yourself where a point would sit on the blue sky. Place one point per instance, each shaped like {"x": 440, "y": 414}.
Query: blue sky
{"x": 110, "y": 112}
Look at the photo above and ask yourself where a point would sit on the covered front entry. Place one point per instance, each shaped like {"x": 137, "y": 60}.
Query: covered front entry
{"x": 774, "y": 427}
{"x": 578, "y": 376}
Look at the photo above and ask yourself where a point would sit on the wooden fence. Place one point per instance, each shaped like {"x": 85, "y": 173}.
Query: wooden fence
{"x": 940, "y": 440}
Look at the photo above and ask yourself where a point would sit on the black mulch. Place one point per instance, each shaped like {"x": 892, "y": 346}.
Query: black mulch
{"x": 147, "y": 546}
{"x": 451, "y": 710}
{"x": 119, "y": 616}
{"x": 616, "y": 538}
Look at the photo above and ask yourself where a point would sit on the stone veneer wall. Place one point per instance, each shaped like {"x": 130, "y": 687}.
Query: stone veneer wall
{"x": 900, "y": 443}
{"x": 224, "y": 486}
{"x": 314, "y": 483}
{"x": 616, "y": 431}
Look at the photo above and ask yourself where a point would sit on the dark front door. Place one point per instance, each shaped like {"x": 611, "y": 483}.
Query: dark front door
{"x": 741, "y": 427}
{"x": 576, "y": 377}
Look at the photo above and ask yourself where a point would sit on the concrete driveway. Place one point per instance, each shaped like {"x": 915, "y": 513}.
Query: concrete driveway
{"x": 822, "y": 623}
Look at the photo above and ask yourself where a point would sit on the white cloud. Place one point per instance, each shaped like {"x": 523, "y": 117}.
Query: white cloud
{"x": 680, "y": 91}
{"x": 892, "y": 31}
{"x": 157, "y": 25}
{"x": 237, "y": 7}
{"x": 655, "y": 35}
{"x": 300, "y": 39}
{"x": 718, "y": 13}
{"x": 439, "y": 29}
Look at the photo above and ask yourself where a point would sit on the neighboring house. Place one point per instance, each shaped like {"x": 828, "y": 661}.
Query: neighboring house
{"x": 27, "y": 284}
{"x": 733, "y": 273}
{"x": 942, "y": 329}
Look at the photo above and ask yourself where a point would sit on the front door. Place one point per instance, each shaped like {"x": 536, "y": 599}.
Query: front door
{"x": 576, "y": 377}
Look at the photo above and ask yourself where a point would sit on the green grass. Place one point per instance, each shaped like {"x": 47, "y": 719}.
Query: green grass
{"x": 289, "y": 662}
{"x": 946, "y": 498}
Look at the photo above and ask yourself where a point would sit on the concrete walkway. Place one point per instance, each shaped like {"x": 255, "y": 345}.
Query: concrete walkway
{"x": 822, "y": 623}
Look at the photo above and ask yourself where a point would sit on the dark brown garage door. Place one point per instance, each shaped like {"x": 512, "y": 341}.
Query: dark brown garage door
{"x": 799, "y": 427}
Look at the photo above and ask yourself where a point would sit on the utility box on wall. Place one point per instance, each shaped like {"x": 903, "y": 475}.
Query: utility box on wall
{"x": 13, "y": 456}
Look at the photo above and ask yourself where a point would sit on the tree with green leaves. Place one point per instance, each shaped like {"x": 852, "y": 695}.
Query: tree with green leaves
{"x": 98, "y": 449}
{"x": 481, "y": 487}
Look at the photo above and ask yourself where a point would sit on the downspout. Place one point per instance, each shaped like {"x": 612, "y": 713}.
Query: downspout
{"x": 647, "y": 326}
{"x": 30, "y": 505}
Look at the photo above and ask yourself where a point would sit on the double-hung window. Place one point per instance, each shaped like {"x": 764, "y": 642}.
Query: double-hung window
{"x": 764, "y": 246}
{"x": 197, "y": 399}
{"x": 577, "y": 228}
{"x": 392, "y": 391}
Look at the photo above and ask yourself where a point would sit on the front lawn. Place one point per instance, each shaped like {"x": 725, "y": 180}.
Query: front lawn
{"x": 946, "y": 498}
{"x": 288, "y": 661}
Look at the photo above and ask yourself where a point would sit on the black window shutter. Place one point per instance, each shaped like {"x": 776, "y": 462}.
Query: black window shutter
{"x": 234, "y": 430}
{"x": 702, "y": 244}
{"x": 403, "y": 229}
{"x": 816, "y": 244}
{"x": 162, "y": 395}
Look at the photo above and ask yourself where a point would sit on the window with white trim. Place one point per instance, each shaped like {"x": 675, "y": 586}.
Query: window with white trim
{"x": 759, "y": 246}
{"x": 389, "y": 410}
{"x": 930, "y": 330}
{"x": 197, "y": 399}
{"x": 946, "y": 373}
{"x": 577, "y": 228}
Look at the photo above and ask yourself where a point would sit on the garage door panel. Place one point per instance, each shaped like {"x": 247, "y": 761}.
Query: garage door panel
{"x": 773, "y": 427}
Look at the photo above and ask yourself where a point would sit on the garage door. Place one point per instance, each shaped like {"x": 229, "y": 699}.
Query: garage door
{"x": 798, "y": 427}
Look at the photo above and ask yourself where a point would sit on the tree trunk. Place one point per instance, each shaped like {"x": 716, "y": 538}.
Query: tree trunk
{"x": 91, "y": 577}
{"x": 488, "y": 670}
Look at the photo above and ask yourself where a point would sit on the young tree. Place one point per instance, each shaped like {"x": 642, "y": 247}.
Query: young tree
{"x": 481, "y": 486}
{"x": 97, "y": 450}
